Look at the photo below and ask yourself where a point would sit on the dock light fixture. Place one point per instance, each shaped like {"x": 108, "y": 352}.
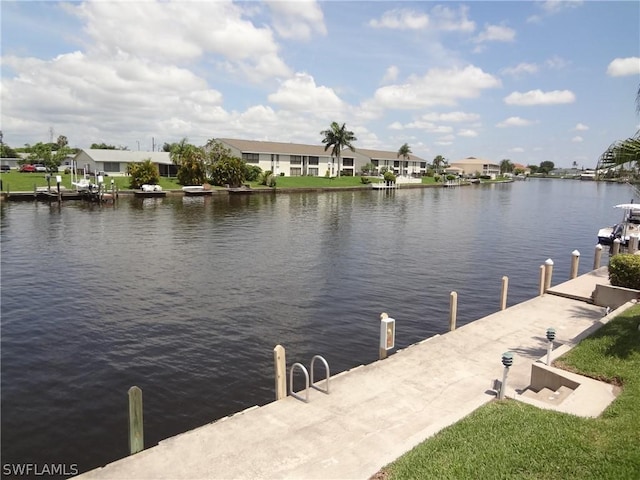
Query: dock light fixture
{"x": 551, "y": 335}
{"x": 507, "y": 361}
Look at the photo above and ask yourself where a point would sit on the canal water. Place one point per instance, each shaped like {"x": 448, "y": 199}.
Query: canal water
{"x": 187, "y": 297}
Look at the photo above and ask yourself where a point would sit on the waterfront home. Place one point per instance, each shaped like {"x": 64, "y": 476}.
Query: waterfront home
{"x": 413, "y": 166}
{"x": 472, "y": 166}
{"x": 115, "y": 162}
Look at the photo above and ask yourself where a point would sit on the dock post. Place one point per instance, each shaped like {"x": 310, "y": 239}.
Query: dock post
{"x": 548, "y": 273}
{"x": 541, "y": 284}
{"x": 58, "y": 182}
{"x": 575, "y": 261}
{"x": 616, "y": 247}
{"x": 136, "y": 433}
{"x": 503, "y": 294}
{"x": 382, "y": 352}
{"x": 597, "y": 256}
{"x": 453, "y": 310}
{"x": 280, "y": 367}
{"x": 633, "y": 244}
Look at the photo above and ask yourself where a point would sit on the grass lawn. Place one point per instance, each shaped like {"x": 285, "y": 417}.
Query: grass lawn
{"x": 509, "y": 439}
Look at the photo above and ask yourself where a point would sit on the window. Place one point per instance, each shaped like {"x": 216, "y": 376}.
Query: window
{"x": 423, "y": 164}
{"x": 375, "y": 163}
{"x": 347, "y": 162}
{"x": 314, "y": 161}
{"x": 111, "y": 166}
{"x": 251, "y": 157}
{"x": 313, "y": 172}
{"x": 296, "y": 159}
{"x": 295, "y": 172}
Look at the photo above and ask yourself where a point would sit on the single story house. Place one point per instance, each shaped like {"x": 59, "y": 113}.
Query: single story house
{"x": 471, "y": 166}
{"x": 115, "y": 162}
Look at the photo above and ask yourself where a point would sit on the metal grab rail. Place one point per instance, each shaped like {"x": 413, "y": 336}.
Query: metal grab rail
{"x": 326, "y": 366}
{"x": 306, "y": 377}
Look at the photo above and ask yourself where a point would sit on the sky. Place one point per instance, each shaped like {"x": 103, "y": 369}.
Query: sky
{"x": 525, "y": 81}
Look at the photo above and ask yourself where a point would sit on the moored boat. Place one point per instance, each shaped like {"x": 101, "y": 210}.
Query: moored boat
{"x": 629, "y": 226}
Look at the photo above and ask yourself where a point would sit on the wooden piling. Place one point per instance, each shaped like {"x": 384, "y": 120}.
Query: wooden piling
{"x": 597, "y": 256}
{"x": 453, "y": 310}
{"x": 136, "y": 432}
{"x": 280, "y": 368}
{"x": 548, "y": 273}
{"x": 575, "y": 261}
{"x": 616, "y": 247}
{"x": 503, "y": 293}
{"x": 541, "y": 283}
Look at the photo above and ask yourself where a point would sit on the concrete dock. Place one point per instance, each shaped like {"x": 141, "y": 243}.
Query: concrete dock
{"x": 375, "y": 413}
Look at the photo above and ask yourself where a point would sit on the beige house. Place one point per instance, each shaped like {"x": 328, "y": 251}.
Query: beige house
{"x": 472, "y": 166}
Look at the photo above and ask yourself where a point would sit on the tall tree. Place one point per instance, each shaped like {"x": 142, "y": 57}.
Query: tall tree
{"x": 337, "y": 138}
{"x": 438, "y": 162}
{"x": 404, "y": 151}
{"x": 506, "y": 166}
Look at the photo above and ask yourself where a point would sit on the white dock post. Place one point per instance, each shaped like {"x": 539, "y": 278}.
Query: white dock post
{"x": 616, "y": 247}
{"x": 453, "y": 310}
{"x": 548, "y": 273}
{"x": 633, "y": 244}
{"x": 575, "y": 261}
{"x": 597, "y": 256}
{"x": 280, "y": 367}
{"x": 503, "y": 294}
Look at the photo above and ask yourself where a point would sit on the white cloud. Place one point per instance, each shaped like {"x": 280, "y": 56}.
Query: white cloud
{"x": 577, "y": 139}
{"x": 401, "y": 19}
{"x": 449, "y": 20}
{"x": 453, "y": 117}
{"x": 538, "y": 97}
{"x": 514, "y": 122}
{"x": 436, "y": 87}
{"x": 521, "y": 69}
{"x": 467, "y": 133}
{"x": 553, "y": 7}
{"x": 391, "y": 75}
{"x": 297, "y": 20}
{"x": 496, "y": 33}
{"x": 556, "y": 63}
{"x": 624, "y": 66}
{"x": 516, "y": 150}
{"x": 301, "y": 93}
{"x": 580, "y": 127}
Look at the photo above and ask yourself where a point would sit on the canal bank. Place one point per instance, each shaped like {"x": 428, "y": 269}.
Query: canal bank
{"x": 375, "y": 413}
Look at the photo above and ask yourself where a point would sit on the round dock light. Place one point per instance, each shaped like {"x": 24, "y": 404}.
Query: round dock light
{"x": 507, "y": 359}
{"x": 551, "y": 334}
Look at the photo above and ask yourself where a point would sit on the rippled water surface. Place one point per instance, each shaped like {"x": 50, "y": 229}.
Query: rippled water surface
{"x": 186, "y": 297}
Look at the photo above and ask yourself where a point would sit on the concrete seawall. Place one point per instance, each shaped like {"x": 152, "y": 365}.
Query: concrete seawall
{"x": 376, "y": 412}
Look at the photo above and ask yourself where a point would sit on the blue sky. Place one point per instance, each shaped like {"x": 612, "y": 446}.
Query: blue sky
{"x": 527, "y": 81}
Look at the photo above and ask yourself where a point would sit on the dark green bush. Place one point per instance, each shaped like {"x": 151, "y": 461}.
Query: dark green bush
{"x": 365, "y": 180}
{"x": 624, "y": 271}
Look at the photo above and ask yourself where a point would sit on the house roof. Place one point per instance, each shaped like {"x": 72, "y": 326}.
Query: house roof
{"x": 255, "y": 146}
{"x": 126, "y": 156}
{"x": 385, "y": 155}
{"x": 474, "y": 161}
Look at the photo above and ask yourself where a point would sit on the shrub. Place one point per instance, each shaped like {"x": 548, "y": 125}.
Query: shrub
{"x": 229, "y": 171}
{"x": 624, "y": 271}
{"x": 252, "y": 172}
{"x": 143, "y": 173}
{"x": 365, "y": 180}
{"x": 389, "y": 177}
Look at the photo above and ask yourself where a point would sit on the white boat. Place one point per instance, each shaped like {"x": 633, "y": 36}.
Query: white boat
{"x": 629, "y": 226}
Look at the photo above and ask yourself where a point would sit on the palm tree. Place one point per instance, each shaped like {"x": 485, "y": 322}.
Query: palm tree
{"x": 506, "y": 166}
{"x": 338, "y": 137}
{"x": 403, "y": 152}
{"x": 438, "y": 162}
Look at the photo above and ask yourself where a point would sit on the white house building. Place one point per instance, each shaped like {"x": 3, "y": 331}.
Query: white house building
{"x": 471, "y": 166}
{"x": 413, "y": 166}
{"x": 115, "y": 162}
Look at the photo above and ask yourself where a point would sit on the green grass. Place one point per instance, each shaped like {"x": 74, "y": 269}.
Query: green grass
{"x": 25, "y": 182}
{"x": 509, "y": 439}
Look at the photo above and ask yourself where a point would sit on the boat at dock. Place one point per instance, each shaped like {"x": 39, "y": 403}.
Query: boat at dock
{"x": 197, "y": 190}
{"x": 629, "y": 226}
{"x": 150, "y": 191}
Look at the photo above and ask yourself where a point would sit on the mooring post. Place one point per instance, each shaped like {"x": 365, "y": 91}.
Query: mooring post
{"x": 616, "y": 247}
{"x": 387, "y": 335}
{"x": 548, "y": 273}
{"x": 280, "y": 368}
{"x": 541, "y": 283}
{"x": 597, "y": 256}
{"x": 136, "y": 433}
{"x": 503, "y": 294}
{"x": 575, "y": 261}
{"x": 633, "y": 244}
{"x": 58, "y": 182}
{"x": 453, "y": 310}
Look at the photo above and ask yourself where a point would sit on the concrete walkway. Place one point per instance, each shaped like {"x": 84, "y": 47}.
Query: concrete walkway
{"x": 374, "y": 413}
